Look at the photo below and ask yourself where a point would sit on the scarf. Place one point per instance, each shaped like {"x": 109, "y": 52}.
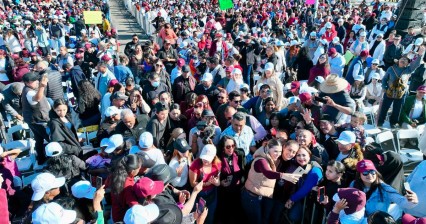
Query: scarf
{"x": 226, "y": 169}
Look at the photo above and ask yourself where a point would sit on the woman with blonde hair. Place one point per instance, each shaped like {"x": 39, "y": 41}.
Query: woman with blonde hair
{"x": 269, "y": 77}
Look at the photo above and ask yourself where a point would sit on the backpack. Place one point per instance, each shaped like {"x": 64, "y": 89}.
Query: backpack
{"x": 396, "y": 89}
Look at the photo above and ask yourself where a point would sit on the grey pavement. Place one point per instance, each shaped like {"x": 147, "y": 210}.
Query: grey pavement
{"x": 124, "y": 22}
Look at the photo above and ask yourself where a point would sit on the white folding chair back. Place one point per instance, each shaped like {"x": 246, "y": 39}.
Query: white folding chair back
{"x": 24, "y": 163}
{"x": 16, "y": 128}
{"x": 408, "y": 155}
{"x": 384, "y": 137}
{"x": 421, "y": 129}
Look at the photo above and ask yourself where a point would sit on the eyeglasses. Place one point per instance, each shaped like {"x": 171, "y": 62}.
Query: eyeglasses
{"x": 237, "y": 101}
{"x": 158, "y": 65}
{"x": 230, "y": 146}
{"x": 220, "y": 97}
{"x": 372, "y": 172}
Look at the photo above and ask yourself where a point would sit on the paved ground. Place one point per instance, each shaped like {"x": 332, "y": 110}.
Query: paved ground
{"x": 124, "y": 22}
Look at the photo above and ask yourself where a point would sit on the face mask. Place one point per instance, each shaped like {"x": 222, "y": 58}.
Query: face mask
{"x": 155, "y": 84}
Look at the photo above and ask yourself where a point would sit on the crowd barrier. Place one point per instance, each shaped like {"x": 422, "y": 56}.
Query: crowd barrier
{"x": 143, "y": 18}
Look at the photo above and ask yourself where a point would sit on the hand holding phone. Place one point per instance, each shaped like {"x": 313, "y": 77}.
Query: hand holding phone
{"x": 98, "y": 182}
{"x": 321, "y": 194}
{"x": 299, "y": 170}
{"x": 201, "y": 205}
{"x": 407, "y": 186}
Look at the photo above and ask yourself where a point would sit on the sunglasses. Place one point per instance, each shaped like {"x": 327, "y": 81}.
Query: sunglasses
{"x": 237, "y": 101}
{"x": 230, "y": 146}
{"x": 372, "y": 172}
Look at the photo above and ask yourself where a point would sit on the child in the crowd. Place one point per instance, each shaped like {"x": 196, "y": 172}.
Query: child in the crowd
{"x": 98, "y": 164}
{"x": 332, "y": 183}
{"x": 357, "y": 120}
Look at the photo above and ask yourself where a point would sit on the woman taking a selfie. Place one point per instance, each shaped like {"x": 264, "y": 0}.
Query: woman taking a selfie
{"x": 256, "y": 196}
{"x": 379, "y": 195}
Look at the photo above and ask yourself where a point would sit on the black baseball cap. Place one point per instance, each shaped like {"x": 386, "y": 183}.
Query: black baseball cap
{"x": 30, "y": 77}
{"x": 181, "y": 145}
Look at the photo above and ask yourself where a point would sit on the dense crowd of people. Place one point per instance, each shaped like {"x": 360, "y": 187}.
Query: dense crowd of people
{"x": 254, "y": 114}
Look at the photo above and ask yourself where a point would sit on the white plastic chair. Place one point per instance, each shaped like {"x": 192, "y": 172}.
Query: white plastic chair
{"x": 408, "y": 155}
{"x": 24, "y": 163}
{"x": 16, "y": 128}
{"x": 384, "y": 137}
{"x": 371, "y": 130}
{"x": 421, "y": 129}
{"x": 370, "y": 112}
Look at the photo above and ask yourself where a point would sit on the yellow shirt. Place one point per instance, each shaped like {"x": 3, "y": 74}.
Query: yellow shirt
{"x": 106, "y": 26}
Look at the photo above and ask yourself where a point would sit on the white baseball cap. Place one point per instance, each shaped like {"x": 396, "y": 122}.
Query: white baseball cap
{"x": 207, "y": 77}
{"x": 359, "y": 78}
{"x": 113, "y": 142}
{"x": 380, "y": 34}
{"x": 112, "y": 110}
{"x": 336, "y": 40}
{"x": 53, "y": 213}
{"x": 53, "y": 149}
{"x": 363, "y": 34}
{"x": 269, "y": 66}
{"x": 83, "y": 189}
{"x": 237, "y": 71}
{"x": 293, "y": 99}
{"x": 139, "y": 214}
{"x": 45, "y": 182}
{"x": 104, "y": 142}
{"x": 146, "y": 140}
{"x": 418, "y": 41}
{"x": 319, "y": 79}
{"x": 208, "y": 153}
{"x": 324, "y": 41}
{"x": 313, "y": 34}
{"x": 346, "y": 138}
{"x": 375, "y": 61}
{"x": 294, "y": 43}
{"x": 328, "y": 25}
{"x": 376, "y": 76}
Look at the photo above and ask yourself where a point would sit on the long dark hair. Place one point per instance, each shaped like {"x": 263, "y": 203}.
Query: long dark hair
{"x": 121, "y": 171}
{"x": 221, "y": 145}
{"x": 60, "y": 166}
{"x": 358, "y": 184}
{"x": 88, "y": 93}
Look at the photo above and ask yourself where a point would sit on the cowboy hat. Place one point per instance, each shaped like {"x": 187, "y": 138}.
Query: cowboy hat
{"x": 333, "y": 84}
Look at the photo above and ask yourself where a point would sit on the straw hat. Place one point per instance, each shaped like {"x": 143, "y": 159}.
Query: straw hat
{"x": 333, "y": 84}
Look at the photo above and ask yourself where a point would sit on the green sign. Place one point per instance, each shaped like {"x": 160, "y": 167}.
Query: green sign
{"x": 226, "y": 4}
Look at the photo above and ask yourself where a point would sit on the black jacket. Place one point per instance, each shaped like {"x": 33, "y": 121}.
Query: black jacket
{"x": 76, "y": 76}
{"x": 418, "y": 77}
{"x": 66, "y": 137}
{"x": 11, "y": 101}
{"x": 103, "y": 129}
{"x": 211, "y": 92}
{"x": 136, "y": 131}
{"x": 392, "y": 53}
